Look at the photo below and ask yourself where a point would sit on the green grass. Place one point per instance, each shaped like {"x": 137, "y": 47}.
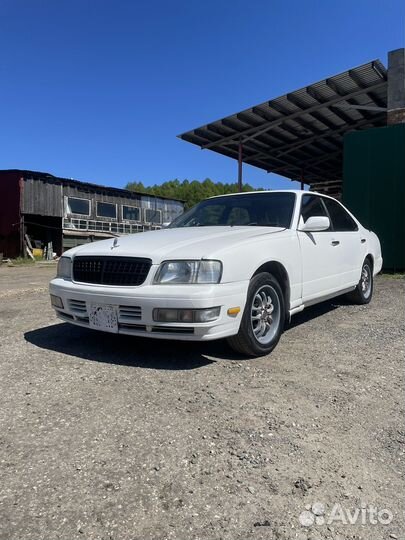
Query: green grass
{"x": 393, "y": 275}
{"x": 19, "y": 261}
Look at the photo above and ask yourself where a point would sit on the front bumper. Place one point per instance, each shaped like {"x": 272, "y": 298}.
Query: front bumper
{"x": 135, "y": 307}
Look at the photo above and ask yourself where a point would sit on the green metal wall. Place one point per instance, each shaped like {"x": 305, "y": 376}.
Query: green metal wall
{"x": 374, "y": 186}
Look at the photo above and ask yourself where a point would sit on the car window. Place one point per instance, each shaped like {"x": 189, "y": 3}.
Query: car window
{"x": 312, "y": 206}
{"x": 210, "y": 215}
{"x": 340, "y": 219}
{"x": 253, "y": 209}
{"x": 239, "y": 216}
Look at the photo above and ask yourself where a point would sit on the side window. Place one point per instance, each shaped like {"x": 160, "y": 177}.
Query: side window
{"x": 130, "y": 213}
{"x": 312, "y": 206}
{"x": 341, "y": 220}
{"x": 106, "y": 210}
{"x": 78, "y": 206}
{"x": 153, "y": 216}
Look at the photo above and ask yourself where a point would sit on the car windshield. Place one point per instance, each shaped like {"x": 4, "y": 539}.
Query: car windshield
{"x": 261, "y": 209}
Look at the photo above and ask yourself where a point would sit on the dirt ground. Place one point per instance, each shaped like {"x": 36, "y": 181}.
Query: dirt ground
{"x": 116, "y": 438}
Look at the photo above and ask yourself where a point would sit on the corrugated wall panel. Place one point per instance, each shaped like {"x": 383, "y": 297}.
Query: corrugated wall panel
{"x": 374, "y": 186}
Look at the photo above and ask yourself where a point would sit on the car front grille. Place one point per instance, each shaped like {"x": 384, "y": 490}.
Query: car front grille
{"x": 78, "y": 307}
{"x": 130, "y": 313}
{"x": 111, "y": 270}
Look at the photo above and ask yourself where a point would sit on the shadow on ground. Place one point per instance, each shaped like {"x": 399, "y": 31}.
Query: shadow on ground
{"x": 120, "y": 349}
{"x": 147, "y": 353}
{"x": 313, "y": 312}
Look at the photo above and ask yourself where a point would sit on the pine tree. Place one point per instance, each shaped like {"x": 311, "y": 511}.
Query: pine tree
{"x": 190, "y": 192}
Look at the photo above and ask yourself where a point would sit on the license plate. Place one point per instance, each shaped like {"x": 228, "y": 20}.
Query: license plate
{"x": 103, "y": 317}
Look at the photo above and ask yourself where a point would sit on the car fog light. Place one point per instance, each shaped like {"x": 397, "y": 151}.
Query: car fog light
{"x": 56, "y": 301}
{"x": 207, "y": 315}
{"x": 186, "y": 315}
{"x": 165, "y": 315}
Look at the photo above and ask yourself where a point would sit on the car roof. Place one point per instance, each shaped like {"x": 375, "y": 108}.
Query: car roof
{"x": 297, "y": 191}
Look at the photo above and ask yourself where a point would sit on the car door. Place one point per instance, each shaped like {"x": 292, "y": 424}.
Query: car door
{"x": 346, "y": 233}
{"x": 321, "y": 258}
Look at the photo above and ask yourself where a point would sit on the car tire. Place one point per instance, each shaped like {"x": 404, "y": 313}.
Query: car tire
{"x": 363, "y": 292}
{"x": 263, "y": 317}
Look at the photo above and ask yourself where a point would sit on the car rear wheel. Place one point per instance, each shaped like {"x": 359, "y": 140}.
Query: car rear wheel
{"x": 363, "y": 293}
{"x": 263, "y": 318}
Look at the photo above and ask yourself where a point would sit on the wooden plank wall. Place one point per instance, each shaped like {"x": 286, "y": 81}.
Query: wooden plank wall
{"x": 46, "y": 197}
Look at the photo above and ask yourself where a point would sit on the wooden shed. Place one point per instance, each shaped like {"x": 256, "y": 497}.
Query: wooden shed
{"x": 62, "y": 213}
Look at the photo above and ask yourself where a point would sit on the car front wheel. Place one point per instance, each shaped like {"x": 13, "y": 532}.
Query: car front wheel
{"x": 263, "y": 318}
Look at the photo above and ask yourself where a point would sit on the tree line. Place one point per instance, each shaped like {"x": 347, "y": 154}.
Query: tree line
{"x": 191, "y": 192}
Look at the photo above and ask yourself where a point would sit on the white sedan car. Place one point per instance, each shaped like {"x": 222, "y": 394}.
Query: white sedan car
{"x": 234, "y": 266}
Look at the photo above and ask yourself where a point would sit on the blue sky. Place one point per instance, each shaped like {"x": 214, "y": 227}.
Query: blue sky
{"x": 98, "y": 90}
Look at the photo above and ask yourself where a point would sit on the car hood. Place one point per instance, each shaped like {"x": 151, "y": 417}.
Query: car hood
{"x": 181, "y": 243}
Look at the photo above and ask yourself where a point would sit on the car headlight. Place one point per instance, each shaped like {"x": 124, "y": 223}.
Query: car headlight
{"x": 180, "y": 272}
{"x": 64, "y": 268}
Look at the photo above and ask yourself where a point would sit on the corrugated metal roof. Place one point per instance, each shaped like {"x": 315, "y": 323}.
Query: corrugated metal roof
{"x": 301, "y": 133}
{"x": 36, "y": 175}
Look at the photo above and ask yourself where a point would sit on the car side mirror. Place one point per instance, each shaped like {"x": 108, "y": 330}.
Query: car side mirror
{"x": 316, "y": 224}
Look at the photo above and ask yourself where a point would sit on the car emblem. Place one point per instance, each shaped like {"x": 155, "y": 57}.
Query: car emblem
{"x": 115, "y": 243}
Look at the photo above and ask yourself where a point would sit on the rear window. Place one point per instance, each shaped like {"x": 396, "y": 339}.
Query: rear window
{"x": 341, "y": 220}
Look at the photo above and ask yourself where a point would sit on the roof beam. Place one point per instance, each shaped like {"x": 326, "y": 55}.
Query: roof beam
{"x": 372, "y": 95}
{"x": 377, "y": 68}
{"x": 342, "y": 115}
{"x": 375, "y": 98}
{"x": 314, "y": 160}
{"x": 356, "y": 79}
{"x": 325, "y": 121}
{"x": 263, "y": 114}
{"x": 248, "y": 158}
{"x": 351, "y": 103}
{"x": 335, "y": 87}
{"x": 320, "y": 99}
{"x": 298, "y": 103}
{"x": 254, "y": 131}
{"x": 308, "y": 127}
{"x": 278, "y": 136}
{"x": 214, "y": 129}
{"x": 331, "y": 182}
{"x": 298, "y": 165}
{"x": 313, "y": 92}
{"x": 360, "y": 107}
{"x": 290, "y": 147}
{"x": 285, "y": 163}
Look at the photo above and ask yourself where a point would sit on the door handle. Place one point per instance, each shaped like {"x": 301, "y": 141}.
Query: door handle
{"x": 362, "y": 240}
{"x": 335, "y": 242}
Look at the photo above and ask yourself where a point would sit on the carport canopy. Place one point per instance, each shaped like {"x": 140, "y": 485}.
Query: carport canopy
{"x": 300, "y": 135}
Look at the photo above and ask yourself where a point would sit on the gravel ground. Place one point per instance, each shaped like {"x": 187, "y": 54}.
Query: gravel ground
{"x": 117, "y": 438}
